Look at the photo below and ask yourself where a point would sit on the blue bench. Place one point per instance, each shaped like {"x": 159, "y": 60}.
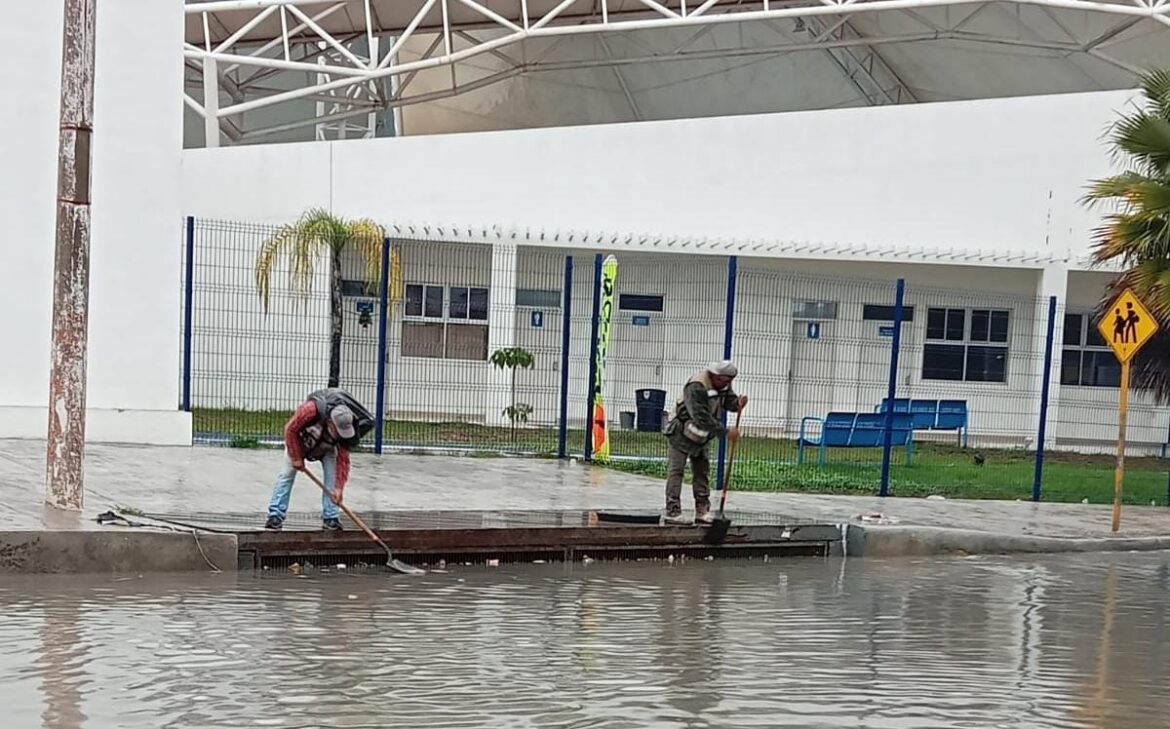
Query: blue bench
{"x": 854, "y": 430}
{"x": 932, "y": 414}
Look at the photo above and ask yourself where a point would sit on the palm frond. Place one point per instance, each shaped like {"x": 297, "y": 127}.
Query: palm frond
{"x": 1156, "y": 86}
{"x": 300, "y": 242}
{"x": 1137, "y": 232}
{"x": 1145, "y": 139}
{"x": 366, "y": 238}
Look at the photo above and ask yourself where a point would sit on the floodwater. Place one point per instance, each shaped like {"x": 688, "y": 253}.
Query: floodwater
{"x": 1073, "y": 641}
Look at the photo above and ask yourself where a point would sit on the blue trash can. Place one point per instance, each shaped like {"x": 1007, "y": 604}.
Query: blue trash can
{"x": 651, "y": 403}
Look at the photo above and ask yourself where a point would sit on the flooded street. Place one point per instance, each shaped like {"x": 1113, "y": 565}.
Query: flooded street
{"x": 991, "y": 642}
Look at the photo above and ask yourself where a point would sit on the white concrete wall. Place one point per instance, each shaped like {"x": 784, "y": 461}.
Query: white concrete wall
{"x": 133, "y": 362}
{"x": 993, "y": 175}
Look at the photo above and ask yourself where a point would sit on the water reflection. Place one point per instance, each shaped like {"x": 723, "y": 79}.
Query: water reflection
{"x": 1068, "y": 642}
{"x": 61, "y": 663}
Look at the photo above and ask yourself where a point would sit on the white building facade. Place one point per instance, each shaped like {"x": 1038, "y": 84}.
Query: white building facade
{"x": 974, "y": 203}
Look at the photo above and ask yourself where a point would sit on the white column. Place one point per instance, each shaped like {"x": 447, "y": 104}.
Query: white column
{"x": 210, "y": 103}
{"x": 501, "y": 330}
{"x": 1050, "y": 281}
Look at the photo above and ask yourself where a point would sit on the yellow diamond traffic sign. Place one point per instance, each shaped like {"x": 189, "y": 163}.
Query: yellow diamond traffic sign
{"x": 1127, "y": 325}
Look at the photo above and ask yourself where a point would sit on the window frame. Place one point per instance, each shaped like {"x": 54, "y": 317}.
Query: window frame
{"x": 422, "y": 315}
{"x": 470, "y": 291}
{"x": 966, "y": 342}
{"x": 646, "y": 303}
{"x": 548, "y": 294}
{"x": 446, "y": 319}
{"x": 1082, "y": 347}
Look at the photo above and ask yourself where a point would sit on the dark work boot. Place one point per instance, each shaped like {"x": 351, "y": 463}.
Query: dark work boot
{"x": 275, "y": 523}
{"x": 331, "y": 525}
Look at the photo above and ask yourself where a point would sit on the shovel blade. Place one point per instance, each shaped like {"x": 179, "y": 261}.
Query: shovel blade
{"x": 404, "y": 568}
{"x": 717, "y": 532}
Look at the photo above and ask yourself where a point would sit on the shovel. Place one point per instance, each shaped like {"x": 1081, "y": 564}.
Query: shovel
{"x": 391, "y": 562}
{"x": 718, "y": 529}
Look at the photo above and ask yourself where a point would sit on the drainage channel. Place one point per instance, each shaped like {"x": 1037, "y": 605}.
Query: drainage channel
{"x": 428, "y": 538}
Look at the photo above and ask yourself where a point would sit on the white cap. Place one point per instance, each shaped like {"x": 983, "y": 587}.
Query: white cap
{"x": 725, "y": 368}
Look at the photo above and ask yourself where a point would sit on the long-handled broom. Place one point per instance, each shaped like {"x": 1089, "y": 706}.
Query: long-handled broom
{"x": 718, "y": 529}
{"x": 391, "y": 562}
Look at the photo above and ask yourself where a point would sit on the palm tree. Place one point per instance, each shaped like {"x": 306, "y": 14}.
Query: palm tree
{"x": 319, "y": 232}
{"x": 1137, "y": 233}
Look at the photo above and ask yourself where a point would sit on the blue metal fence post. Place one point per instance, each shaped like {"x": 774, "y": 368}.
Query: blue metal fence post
{"x": 592, "y": 357}
{"x": 383, "y": 321}
{"x": 1049, "y": 343}
{"x": 188, "y": 314}
{"x": 891, "y": 391}
{"x": 728, "y": 331}
{"x": 566, "y": 340}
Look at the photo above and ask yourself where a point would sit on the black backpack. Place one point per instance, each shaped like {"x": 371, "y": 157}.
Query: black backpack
{"x": 329, "y": 398}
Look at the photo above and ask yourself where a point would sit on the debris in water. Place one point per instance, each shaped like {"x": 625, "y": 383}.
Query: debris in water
{"x": 670, "y": 558}
{"x": 710, "y": 558}
{"x": 541, "y": 561}
{"x": 295, "y": 568}
{"x": 586, "y": 559}
{"x": 442, "y": 563}
{"x": 341, "y": 566}
{"x": 876, "y": 517}
{"x": 936, "y": 497}
{"x": 1084, "y": 501}
{"x": 493, "y": 563}
{"x": 352, "y": 597}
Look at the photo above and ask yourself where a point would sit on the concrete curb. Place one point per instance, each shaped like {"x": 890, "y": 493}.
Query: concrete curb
{"x": 77, "y": 552}
{"x": 922, "y": 541}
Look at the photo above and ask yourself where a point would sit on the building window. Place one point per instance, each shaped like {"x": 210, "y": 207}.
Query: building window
{"x": 423, "y": 339}
{"x": 814, "y": 309}
{"x": 1086, "y": 358}
{"x": 538, "y": 298}
{"x": 349, "y": 287}
{"x": 440, "y": 322}
{"x": 640, "y": 302}
{"x": 424, "y": 301}
{"x": 884, "y": 312}
{"x": 468, "y": 302}
{"x": 966, "y": 345}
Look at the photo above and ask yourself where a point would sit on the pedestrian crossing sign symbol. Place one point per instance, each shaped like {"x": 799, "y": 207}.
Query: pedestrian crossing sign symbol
{"x": 1127, "y": 325}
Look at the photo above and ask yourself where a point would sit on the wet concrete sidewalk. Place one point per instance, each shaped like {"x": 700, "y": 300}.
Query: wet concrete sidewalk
{"x": 205, "y": 479}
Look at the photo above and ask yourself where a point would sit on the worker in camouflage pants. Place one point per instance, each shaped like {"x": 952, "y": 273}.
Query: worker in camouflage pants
{"x": 697, "y": 420}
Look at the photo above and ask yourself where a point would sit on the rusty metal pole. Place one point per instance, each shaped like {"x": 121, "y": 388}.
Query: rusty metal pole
{"x": 64, "y": 472}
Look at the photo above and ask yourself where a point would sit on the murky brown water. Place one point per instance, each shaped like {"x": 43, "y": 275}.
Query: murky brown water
{"x": 1049, "y": 642}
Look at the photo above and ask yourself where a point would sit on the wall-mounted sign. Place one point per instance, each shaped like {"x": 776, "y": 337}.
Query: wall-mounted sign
{"x": 364, "y": 306}
{"x": 641, "y": 321}
{"x": 885, "y": 331}
{"x": 814, "y": 330}
{"x": 538, "y": 319}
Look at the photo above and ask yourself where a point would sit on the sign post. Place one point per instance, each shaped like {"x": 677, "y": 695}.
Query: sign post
{"x": 1126, "y": 325}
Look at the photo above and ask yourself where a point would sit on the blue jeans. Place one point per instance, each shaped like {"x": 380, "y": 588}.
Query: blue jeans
{"x": 278, "y": 504}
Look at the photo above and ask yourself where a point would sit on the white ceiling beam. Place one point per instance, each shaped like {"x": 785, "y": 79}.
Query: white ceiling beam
{"x": 829, "y": 22}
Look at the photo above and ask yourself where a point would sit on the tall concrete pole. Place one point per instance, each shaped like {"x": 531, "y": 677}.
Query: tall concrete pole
{"x": 64, "y": 473}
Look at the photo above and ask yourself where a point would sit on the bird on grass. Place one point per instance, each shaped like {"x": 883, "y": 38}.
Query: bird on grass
{"x": 979, "y": 459}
